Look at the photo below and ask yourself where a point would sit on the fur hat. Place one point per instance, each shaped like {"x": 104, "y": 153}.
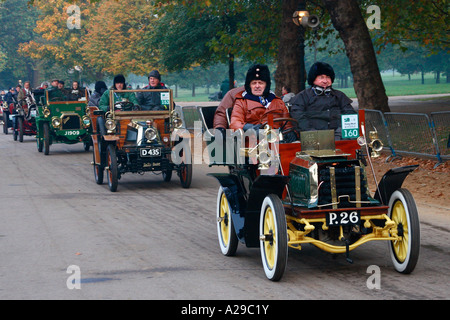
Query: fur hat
{"x": 119, "y": 79}
{"x": 258, "y": 72}
{"x": 319, "y": 68}
{"x": 155, "y": 74}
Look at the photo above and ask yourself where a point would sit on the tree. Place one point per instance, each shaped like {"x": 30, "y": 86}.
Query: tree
{"x": 348, "y": 21}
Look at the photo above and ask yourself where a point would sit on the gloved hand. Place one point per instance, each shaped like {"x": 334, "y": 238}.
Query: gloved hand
{"x": 290, "y": 136}
{"x": 249, "y": 126}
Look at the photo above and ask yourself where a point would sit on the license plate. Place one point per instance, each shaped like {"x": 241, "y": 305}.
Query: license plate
{"x": 151, "y": 152}
{"x": 343, "y": 218}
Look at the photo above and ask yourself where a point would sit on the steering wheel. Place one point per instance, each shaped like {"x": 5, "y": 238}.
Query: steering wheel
{"x": 285, "y": 120}
{"x": 123, "y": 105}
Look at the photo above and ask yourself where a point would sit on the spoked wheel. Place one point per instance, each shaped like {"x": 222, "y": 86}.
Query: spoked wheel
{"x": 185, "y": 172}
{"x": 98, "y": 170}
{"x": 404, "y": 251}
{"x": 15, "y": 132}
{"x": 5, "y": 123}
{"x": 40, "y": 144}
{"x": 273, "y": 237}
{"x": 112, "y": 173}
{"x": 20, "y": 125}
{"x": 228, "y": 240}
{"x": 46, "y": 128}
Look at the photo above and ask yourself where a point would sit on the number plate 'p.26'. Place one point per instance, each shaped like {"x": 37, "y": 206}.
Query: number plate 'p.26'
{"x": 343, "y": 218}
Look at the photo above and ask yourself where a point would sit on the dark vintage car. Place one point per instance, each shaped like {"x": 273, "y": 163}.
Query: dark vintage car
{"x": 127, "y": 139}
{"x": 62, "y": 121}
{"x": 24, "y": 116}
{"x": 313, "y": 192}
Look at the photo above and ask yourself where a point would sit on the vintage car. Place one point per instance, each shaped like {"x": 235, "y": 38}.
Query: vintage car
{"x": 8, "y": 111}
{"x": 312, "y": 192}
{"x": 24, "y": 117}
{"x": 129, "y": 139}
{"x": 61, "y": 121}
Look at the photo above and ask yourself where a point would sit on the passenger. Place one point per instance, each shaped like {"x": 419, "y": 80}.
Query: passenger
{"x": 59, "y": 93}
{"x": 152, "y": 100}
{"x": 23, "y": 93}
{"x": 75, "y": 93}
{"x": 253, "y": 106}
{"x": 320, "y": 107}
{"x": 220, "y": 116}
{"x": 286, "y": 94}
{"x": 100, "y": 88}
{"x": 119, "y": 83}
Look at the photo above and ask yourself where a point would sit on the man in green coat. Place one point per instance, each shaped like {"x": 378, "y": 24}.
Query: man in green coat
{"x": 119, "y": 84}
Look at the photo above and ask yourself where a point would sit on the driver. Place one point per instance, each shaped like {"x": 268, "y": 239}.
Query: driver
{"x": 252, "y": 106}
{"x": 118, "y": 84}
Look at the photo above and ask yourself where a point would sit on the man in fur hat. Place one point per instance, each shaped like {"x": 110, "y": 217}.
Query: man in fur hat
{"x": 119, "y": 83}
{"x": 252, "y": 107}
{"x": 152, "y": 100}
{"x": 320, "y": 107}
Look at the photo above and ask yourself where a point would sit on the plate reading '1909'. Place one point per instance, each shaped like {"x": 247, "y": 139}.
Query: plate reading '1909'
{"x": 343, "y": 218}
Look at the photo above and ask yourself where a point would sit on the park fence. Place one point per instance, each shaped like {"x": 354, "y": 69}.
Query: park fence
{"x": 416, "y": 134}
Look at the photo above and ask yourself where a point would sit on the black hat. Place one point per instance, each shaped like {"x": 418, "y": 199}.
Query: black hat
{"x": 119, "y": 79}
{"x": 155, "y": 74}
{"x": 258, "y": 72}
{"x": 99, "y": 86}
{"x": 319, "y": 68}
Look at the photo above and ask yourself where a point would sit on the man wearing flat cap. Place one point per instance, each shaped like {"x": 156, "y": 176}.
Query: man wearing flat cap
{"x": 152, "y": 100}
{"x": 320, "y": 107}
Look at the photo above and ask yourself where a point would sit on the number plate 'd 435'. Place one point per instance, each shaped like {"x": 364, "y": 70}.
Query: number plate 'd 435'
{"x": 343, "y": 218}
{"x": 151, "y": 152}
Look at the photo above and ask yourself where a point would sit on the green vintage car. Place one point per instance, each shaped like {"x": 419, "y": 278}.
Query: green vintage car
{"x": 62, "y": 121}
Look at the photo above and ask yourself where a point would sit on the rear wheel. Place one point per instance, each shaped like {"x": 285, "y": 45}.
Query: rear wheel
{"x": 228, "y": 240}
{"x": 112, "y": 173}
{"x": 186, "y": 175}
{"x": 273, "y": 237}
{"x": 404, "y": 251}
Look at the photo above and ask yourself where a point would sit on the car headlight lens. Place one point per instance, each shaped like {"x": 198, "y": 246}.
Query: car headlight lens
{"x": 151, "y": 134}
{"x": 110, "y": 125}
{"x": 86, "y": 121}
{"x": 56, "y": 122}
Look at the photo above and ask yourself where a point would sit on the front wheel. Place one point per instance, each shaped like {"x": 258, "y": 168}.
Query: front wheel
{"x": 112, "y": 175}
{"x": 228, "y": 240}
{"x": 273, "y": 237}
{"x": 98, "y": 170}
{"x": 21, "y": 129}
{"x": 46, "y": 130}
{"x": 5, "y": 122}
{"x": 404, "y": 251}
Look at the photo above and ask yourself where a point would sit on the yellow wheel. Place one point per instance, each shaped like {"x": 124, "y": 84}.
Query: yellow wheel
{"x": 404, "y": 251}
{"x": 273, "y": 237}
{"x": 228, "y": 240}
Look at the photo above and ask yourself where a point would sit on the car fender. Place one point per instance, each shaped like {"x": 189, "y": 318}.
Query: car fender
{"x": 391, "y": 181}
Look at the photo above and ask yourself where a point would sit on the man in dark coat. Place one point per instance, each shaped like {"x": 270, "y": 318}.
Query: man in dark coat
{"x": 320, "y": 107}
{"x": 152, "y": 100}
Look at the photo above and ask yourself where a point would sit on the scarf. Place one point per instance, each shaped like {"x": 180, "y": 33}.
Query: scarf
{"x": 264, "y": 101}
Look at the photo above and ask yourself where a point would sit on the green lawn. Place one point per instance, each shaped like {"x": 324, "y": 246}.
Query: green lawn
{"x": 395, "y": 85}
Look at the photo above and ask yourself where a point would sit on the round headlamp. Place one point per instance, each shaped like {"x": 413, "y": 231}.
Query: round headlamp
{"x": 56, "y": 122}
{"x": 86, "y": 121}
{"x": 151, "y": 134}
{"x": 110, "y": 125}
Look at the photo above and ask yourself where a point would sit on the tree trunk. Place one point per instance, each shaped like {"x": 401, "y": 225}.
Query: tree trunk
{"x": 349, "y": 22}
{"x": 291, "y": 63}
{"x": 231, "y": 70}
